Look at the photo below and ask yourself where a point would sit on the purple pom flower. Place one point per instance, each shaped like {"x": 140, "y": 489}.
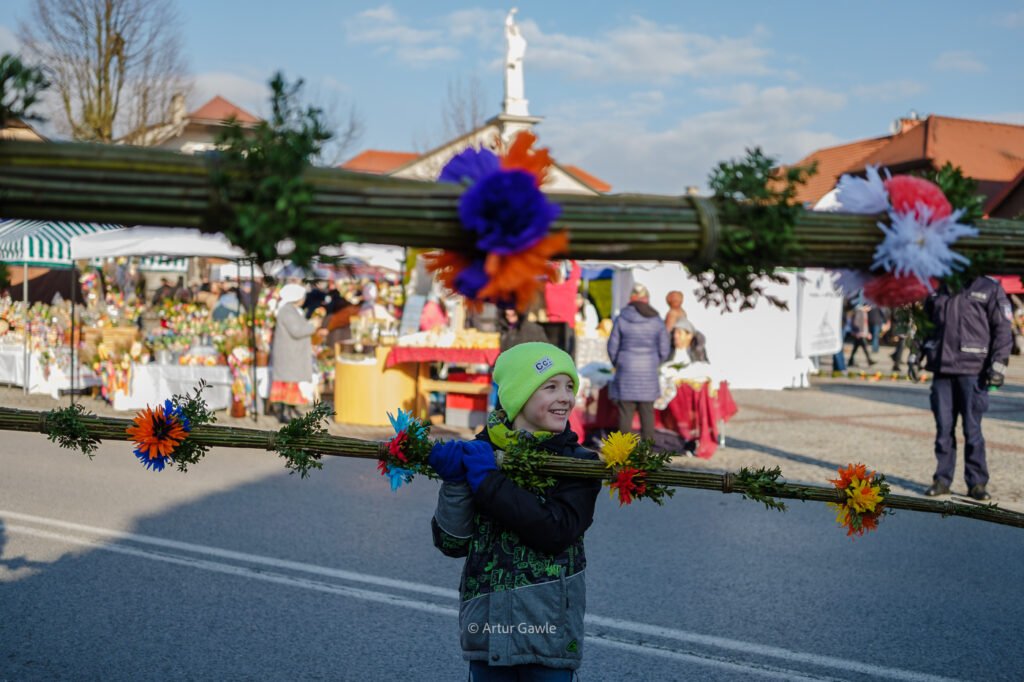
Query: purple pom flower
{"x": 507, "y": 211}
{"x": 472, "y": 279}
{"x": 471, "y": 165}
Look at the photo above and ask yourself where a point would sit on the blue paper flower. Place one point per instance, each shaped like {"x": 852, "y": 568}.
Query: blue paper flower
{"x": 404, "y": 421}
{"x": 507, "y": 211}
{"x": 172, "y": 411}
{"x": 156, "y": 463}
{"x": 398, "y": 477}
{"x": 470, "y": 166}
{"x": 472, "y": 279}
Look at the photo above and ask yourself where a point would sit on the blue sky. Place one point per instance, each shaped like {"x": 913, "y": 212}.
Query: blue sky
{"x": 647, "y": 95}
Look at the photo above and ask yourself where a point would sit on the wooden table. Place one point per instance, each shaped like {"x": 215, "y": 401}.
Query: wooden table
{"x": 425, "y": 385}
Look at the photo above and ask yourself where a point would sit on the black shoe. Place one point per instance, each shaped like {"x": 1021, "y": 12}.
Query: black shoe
{"x": 936, "y": 489}
{"x": 979, "y": 493}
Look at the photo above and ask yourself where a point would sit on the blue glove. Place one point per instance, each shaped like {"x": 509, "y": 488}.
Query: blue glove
{"x": 478, "y": 461}
{"x": 446, "y": 459}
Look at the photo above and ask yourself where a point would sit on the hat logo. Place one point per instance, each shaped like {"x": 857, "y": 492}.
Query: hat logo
{"x": 543, "y": 365}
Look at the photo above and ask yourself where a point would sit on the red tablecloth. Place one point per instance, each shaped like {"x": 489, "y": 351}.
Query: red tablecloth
{"x": 462, "y": 356}
{"x": 692, "y": 414}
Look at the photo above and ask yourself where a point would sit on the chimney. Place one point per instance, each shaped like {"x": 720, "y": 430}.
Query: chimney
{"x": 177, "y": 108}
{"x": 908, "y": 122}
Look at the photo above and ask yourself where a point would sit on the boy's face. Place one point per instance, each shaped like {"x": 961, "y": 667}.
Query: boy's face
{"x": 549, "y": 407}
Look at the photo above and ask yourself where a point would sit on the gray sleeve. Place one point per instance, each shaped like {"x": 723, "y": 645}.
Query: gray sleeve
{"x": 455, "y": 511}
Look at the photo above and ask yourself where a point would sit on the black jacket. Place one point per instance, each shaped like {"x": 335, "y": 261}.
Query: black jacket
{"x": 973, "y": 328}
{"x": 525, "y": 563}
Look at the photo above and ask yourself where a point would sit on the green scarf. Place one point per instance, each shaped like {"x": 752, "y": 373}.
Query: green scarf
{"x": 503, "y": 435}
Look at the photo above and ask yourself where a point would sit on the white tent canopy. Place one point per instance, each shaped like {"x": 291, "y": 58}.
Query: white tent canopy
{"x": 154, "y": 241}
{"x": 755, "y": 348}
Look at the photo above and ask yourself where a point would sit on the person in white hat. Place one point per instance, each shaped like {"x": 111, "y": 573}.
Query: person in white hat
{"x": 291, "y": 356}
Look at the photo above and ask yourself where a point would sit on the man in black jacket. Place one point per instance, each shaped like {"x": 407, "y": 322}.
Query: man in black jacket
{"x": 967, "y": 352}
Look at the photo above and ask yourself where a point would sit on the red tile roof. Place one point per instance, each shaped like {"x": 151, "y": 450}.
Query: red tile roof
{"x": 999, "y": 199}
{"x": 991, "y": 153}
{"x": 594, "y": 183}
{"x": 378, "y": 162}
{"x": 219, "y": 109}
{"x": 833, "y": 162}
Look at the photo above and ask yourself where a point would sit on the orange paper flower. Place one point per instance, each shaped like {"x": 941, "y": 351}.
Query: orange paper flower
{"x": 156, "y": 435}
{"x": 520, "y": 155}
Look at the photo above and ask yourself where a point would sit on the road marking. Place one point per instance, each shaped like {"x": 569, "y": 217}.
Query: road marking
{"x": 596, "y": 637}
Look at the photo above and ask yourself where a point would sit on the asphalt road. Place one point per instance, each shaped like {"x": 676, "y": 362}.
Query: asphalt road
{"x": 238, "y": 571}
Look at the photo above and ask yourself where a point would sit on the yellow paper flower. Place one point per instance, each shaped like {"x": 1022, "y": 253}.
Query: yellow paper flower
{"x": 617, "y": 447}
{"x": 864, "y": 497}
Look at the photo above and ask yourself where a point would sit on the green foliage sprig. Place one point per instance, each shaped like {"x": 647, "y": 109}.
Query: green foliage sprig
{"x": 299, "y": 458}
{"x": 259, "y": 178}
{"x": 20, "y": 87}
{"x": 759, "y": 484}
{"x": 194, "y": 408}
{"x": 759, "y": 202}
{"x": 521, "y": 463}
{"x": 65, "y": 427}
{"x": 646, "y": 459}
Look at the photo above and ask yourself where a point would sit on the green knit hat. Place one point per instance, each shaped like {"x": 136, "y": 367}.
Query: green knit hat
{"x": 521, "y": 370}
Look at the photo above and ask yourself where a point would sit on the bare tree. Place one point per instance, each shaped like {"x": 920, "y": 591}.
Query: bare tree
{"x": 346, "y": 127}
{"x": 464, "y": 107}
{"x": 114, "y": 64}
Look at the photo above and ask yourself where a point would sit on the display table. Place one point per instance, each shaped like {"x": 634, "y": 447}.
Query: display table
{"x": 47, "y": 381}
{"x": 365, "y": 391}
{"x": 154, "y": 383}
{"x": 455, "y": 356}
{"x": 696, "y": 413}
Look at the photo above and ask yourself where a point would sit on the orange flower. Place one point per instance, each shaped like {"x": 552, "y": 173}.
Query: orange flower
{"x": 846, "y": 476}
{"x": 521, "y": 156}
{"x": 155, "y": 435}
{"x": 517, "y": 276}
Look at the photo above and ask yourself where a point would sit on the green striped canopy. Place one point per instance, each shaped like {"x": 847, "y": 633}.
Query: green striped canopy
{"x": 42, "y": 243}
{"x": 46, "y": 244}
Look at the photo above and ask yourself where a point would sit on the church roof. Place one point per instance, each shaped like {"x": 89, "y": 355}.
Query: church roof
{"x": 378, "y": 161}
{"x": 991, "y": 153}
{"x": 219, "y": 109}
{"x": 382, "y": 162}
{"x": 592, "y": 181}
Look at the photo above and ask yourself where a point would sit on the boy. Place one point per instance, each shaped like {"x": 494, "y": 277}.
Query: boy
{"x": 522, "y": 593}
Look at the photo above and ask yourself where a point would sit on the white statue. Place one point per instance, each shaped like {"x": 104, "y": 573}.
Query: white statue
{"x": 515, "y": 99}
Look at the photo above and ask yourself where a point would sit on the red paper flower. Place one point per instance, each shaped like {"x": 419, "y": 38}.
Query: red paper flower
{"x": 629, "y": 483}
{"x": 395, "y": 445}
{"x": 890, "y": 291}
{"x": 907, "y": 191}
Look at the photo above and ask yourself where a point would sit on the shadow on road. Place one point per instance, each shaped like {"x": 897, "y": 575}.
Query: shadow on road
{"x": 1001, "y": 406}
{"x": 830, "y": 467}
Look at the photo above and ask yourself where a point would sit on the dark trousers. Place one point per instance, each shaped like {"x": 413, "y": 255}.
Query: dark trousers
{"x": 863, "y": 344}
{"x": 960, "y": 396}
{"x": 626, "y": 410}
{"x": 481, "y": 672}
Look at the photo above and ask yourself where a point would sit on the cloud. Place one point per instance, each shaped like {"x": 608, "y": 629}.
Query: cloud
{"x": 888, "y": 90}
{"x": 962, "y": 61}
{"x": 391, "y": 33}
{"x": 9, "y": 43}
{"x": 643, "y": 51}
{"x": 249, "y": 94}
{"x": 633, "y": 156}
{"x": 1011, "y": 20}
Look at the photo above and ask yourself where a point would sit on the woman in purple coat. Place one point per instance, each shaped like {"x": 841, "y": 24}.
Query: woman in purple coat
{"x": 638, "y": 344}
